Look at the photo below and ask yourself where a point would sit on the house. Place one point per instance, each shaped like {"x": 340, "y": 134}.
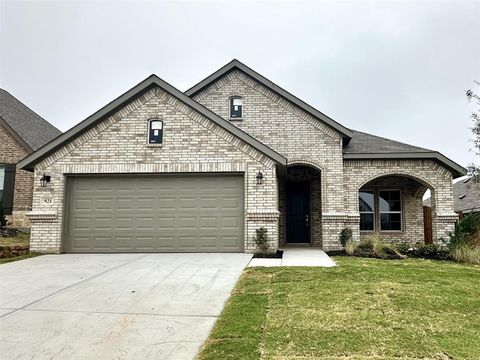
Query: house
{"x": 161, "y": 170}
{"x": 22, "y": 131}
{"x": 466, "y": 197}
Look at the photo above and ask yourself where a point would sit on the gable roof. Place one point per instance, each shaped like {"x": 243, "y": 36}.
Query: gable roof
{"x": 237, "y": 65}
{"x": 29, "y": 128}
{"x": 149, "y": 83}
{"x": 367, "y": 146}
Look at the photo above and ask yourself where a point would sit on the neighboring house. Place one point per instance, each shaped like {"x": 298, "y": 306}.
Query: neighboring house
{"x": 466, "y": 197}
{"x": 161, "y": 170}
{"x": 21, "y": 132}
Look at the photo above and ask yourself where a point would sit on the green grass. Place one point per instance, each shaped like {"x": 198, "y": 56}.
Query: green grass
{"x": 20, "y": 239}
{"x": 362, "y": 309}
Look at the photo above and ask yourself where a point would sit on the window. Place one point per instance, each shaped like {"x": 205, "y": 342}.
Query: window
{"x": 390, "y": 207}
{"x": 155, "y": 131}
{"x": 236, "y": 107}
{"x": 367, "y": 210}
{"x": 7, "y": 186}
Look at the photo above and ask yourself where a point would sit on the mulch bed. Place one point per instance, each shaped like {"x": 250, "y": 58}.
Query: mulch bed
{"x": 277, "y": 255}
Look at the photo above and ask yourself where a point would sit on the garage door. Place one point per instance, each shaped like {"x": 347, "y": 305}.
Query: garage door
{"x": 155, "y": 214}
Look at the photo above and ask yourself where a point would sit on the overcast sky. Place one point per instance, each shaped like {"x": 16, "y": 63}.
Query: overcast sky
{"x": 394, "y": 69}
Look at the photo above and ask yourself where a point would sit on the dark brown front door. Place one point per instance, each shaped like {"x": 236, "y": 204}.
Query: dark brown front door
{"x": 427, "y": 223}
{"x": 298, "y": 212}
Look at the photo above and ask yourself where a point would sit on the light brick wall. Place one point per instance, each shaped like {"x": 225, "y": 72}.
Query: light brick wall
{"x": 292, "y": 132}
{"x": 305, "y": 140}
{"x": 426, "y": 173}
{"x": 192, "y": 143}
{"x": 412, "y": 208}
{"x": 12, "y": 152}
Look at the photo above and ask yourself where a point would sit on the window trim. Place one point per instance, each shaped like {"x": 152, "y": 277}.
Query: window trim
{"x": 149, "y": 129}
{"x": 377, "y": 221}
{"x": 390, "y": 212}
{"x": 230, "y": 104}
{"x": 368, "y": 212}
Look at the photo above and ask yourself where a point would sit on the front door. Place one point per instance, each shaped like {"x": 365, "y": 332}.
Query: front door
{"x": 298, "y": 206}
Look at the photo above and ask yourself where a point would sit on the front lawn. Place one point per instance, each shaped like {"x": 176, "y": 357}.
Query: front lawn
{"x": 362, "y": 309}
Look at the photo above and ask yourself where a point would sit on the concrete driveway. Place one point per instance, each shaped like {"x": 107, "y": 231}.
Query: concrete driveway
{"x": 115, "y": 306}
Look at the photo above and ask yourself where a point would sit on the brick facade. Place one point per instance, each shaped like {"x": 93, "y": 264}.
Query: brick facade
{"x": 11, "y": 151}
{"x": 305, "y": 140}
{"x": 413, "y": 178}
{"x": 193, "y": 143}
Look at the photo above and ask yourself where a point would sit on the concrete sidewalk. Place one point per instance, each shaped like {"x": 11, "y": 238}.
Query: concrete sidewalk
{"x": 297, "y": 257}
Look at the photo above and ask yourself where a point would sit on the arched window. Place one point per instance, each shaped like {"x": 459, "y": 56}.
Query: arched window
{"x": 236, "y": 107}
{"x": 155, "y": 131}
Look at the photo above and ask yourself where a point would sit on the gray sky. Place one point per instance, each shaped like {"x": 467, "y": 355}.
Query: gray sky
{"x": 394, "y": 69}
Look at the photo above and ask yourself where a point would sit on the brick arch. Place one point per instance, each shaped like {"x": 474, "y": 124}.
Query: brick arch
{"x": 387, "y": 172}
{"x": 296, "y": 162}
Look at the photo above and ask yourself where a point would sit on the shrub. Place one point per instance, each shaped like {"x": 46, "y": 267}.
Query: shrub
{"x": 261, "y": 240}
{"x": 351, "y": 246}
{"x": 3, "y": 219}
{"x": 465, "y": 240}
{"x": 429, "y": 251}
{"x": 466, "y": 253}
{"x": 426, "y": 250}
{"x": 373, "y": 247}
{"x": 345, "y": 236}
{"x": 466, "y": 232}
{"x": 404, "y": 248}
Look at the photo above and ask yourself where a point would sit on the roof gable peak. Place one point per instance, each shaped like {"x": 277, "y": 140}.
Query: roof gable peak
{"x": 129, "y": 96}
{"x": 238, "y": 65}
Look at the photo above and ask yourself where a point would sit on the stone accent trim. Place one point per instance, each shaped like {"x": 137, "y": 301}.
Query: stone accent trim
{"x": 14, "y": 250}
{"x": 158, "y": 168}
{"x": 42, "y": 217}
{"x": 263, "y": 214}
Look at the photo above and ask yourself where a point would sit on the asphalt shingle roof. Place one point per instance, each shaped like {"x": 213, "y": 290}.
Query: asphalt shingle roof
{"x": 363, "y": 143}
{"x": 466, "y": 196}
{"x": 34, "y": 130}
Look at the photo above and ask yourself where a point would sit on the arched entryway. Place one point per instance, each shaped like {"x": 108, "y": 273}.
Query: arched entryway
{"x": 300, "y": 205}
{"x": 392, "y": 205}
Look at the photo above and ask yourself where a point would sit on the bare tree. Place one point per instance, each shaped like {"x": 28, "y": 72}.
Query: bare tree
{"x": 474, "y": 169}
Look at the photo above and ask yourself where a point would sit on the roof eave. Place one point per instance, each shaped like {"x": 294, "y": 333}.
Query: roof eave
{"x": 456, "y": 169}
{"x": 235, "y": 64}
{"x": 152, "y": 81}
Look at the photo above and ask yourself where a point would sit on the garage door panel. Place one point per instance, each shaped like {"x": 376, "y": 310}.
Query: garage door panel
{"x": 155, "y": 213}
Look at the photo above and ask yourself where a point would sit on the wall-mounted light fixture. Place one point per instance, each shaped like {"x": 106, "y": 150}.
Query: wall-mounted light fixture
{"x": 44, "y": 180}
{"x": 259, "y": 178}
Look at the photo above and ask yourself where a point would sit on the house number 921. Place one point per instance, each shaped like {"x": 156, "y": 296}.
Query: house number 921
{"x": 48, "y": 201}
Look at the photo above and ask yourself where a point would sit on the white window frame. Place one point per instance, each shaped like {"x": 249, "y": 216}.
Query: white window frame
{"x": 368, "y": 212}
{"x": 390, "y": 212}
